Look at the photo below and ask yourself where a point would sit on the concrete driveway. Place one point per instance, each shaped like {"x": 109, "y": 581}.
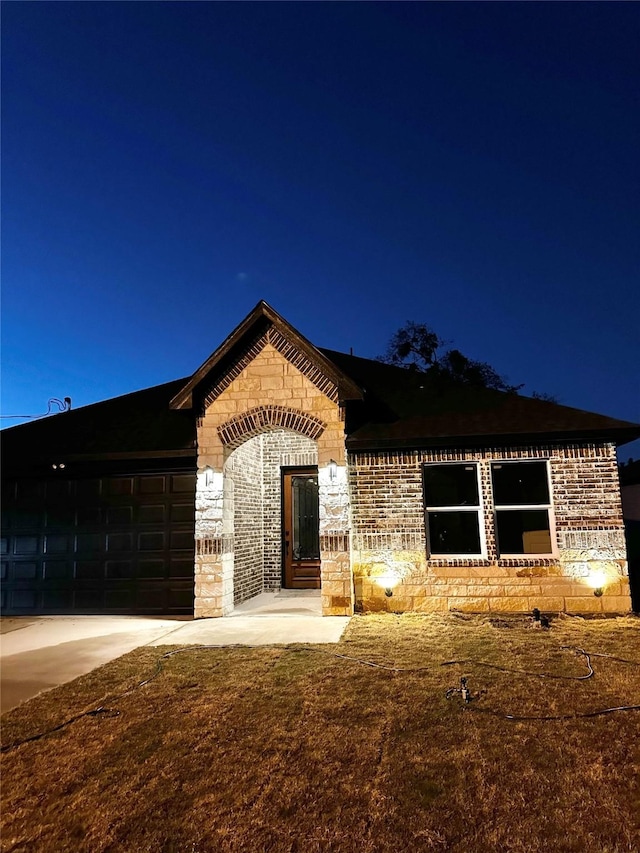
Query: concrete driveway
{"x": 41, "y": 652}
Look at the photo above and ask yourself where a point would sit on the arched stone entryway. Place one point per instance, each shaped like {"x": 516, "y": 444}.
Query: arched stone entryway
{"x": 252, "y": 507}
{"x": 240, "y": 518}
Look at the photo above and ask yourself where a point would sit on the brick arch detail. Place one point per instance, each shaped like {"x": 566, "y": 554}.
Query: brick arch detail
{"x": 239, "y": 428}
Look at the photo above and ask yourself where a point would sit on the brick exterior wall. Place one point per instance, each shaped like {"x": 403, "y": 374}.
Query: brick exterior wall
{"x": 275, "y": 393}
{"x": 243, "y": 473}
{"x": 389, "y": 536}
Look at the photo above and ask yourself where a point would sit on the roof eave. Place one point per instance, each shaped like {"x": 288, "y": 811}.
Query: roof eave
{"x": 616, "y": 436}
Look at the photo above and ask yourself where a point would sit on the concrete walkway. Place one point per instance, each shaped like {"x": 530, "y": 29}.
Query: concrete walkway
{"x": 41, "y": 652}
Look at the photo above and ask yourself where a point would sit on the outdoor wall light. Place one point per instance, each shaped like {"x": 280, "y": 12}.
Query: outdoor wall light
{"x": 58, "y": 466}
{"x": 333, "y": 470}
{"x": 208, "y": 476}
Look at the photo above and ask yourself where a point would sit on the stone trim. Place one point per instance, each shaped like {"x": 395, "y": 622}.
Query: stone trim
{"x": 236, "y": 430}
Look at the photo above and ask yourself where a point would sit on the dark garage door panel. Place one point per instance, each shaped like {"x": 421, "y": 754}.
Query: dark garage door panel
{"x": 111, "y": 544}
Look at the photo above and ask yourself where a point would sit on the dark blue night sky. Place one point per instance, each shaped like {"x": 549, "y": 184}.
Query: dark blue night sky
{"x": 471, "y": 166}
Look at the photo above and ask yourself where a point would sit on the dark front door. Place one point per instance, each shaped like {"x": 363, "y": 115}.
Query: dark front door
{"x": 301, "y": 528}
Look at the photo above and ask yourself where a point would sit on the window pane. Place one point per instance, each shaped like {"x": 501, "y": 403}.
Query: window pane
{"x": 454, "y": 533}
{"x": 520, "y": 483}
{"x": 450, "y": 485}
{"x": 522, "y": 531}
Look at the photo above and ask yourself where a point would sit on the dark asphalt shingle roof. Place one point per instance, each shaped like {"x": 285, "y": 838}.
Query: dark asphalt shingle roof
{"x": 137, "y": 423}
{"x": 404, "y": 407}
{"x": 400, "y": 408}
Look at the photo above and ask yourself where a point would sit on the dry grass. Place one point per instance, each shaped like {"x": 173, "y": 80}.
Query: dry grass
{"x": 279, "y": 749}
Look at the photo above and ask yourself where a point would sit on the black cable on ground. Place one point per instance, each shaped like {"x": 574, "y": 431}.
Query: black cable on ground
{"x": 94, "y": 712}
{"x": 102, "y": 710}
{"x": 515, "y": 718}
{"x": 586, "y": 655}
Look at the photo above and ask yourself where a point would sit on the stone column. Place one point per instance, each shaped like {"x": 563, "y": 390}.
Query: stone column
{"x": 214, "y": 544}
{"x": 335, "y": 554}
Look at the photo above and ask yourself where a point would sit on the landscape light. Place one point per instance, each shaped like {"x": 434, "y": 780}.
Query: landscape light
{"x": 387, "y": 581}
{"x": 597, "y": 579}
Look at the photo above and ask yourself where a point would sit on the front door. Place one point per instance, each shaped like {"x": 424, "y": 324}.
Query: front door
{"x": 301, "y": 528}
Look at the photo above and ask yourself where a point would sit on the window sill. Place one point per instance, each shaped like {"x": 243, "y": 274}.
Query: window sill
{"x": 527, "y": 559}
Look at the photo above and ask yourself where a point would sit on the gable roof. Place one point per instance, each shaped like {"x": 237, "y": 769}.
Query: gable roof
{"x": 138, "y": 425}
{"x": 387, "y": 407}
{"x": 255, "y": 324}
{"x": 407, "y": 408}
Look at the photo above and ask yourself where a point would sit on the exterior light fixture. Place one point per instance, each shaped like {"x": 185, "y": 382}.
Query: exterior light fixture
{"x": 597, "y": 580}
{"x": 208, "y": 476}
{"x": 58, "y": 466}
{"x": 333, "y": 470}
{"x": 387, "y": 581}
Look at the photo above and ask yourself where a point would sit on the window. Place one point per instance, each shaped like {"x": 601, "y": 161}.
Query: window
{"x": 452, "y": 507}
{"x": 522, "y": 505}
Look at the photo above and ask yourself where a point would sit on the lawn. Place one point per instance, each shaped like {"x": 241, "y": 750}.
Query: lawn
{"x": 282, "y": 748}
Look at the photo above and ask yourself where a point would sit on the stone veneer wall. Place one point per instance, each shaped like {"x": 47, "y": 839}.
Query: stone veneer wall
{"x": 389, "y": 536}
{"x": 272, "y": 386}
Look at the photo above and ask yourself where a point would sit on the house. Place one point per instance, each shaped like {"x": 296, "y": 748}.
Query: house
{"x": 280, "y": 464}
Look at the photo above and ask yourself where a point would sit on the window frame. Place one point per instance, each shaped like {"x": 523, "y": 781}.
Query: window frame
{"x": 544, "y": 555}
{"x": 477, "y": 509}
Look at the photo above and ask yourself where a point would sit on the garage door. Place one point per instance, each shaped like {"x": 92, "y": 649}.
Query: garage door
{"x": 107, "y": 544}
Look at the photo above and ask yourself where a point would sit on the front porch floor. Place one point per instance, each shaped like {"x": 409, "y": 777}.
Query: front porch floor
{"x": 287, "y": 616}
{"x": 285, "y": 602}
